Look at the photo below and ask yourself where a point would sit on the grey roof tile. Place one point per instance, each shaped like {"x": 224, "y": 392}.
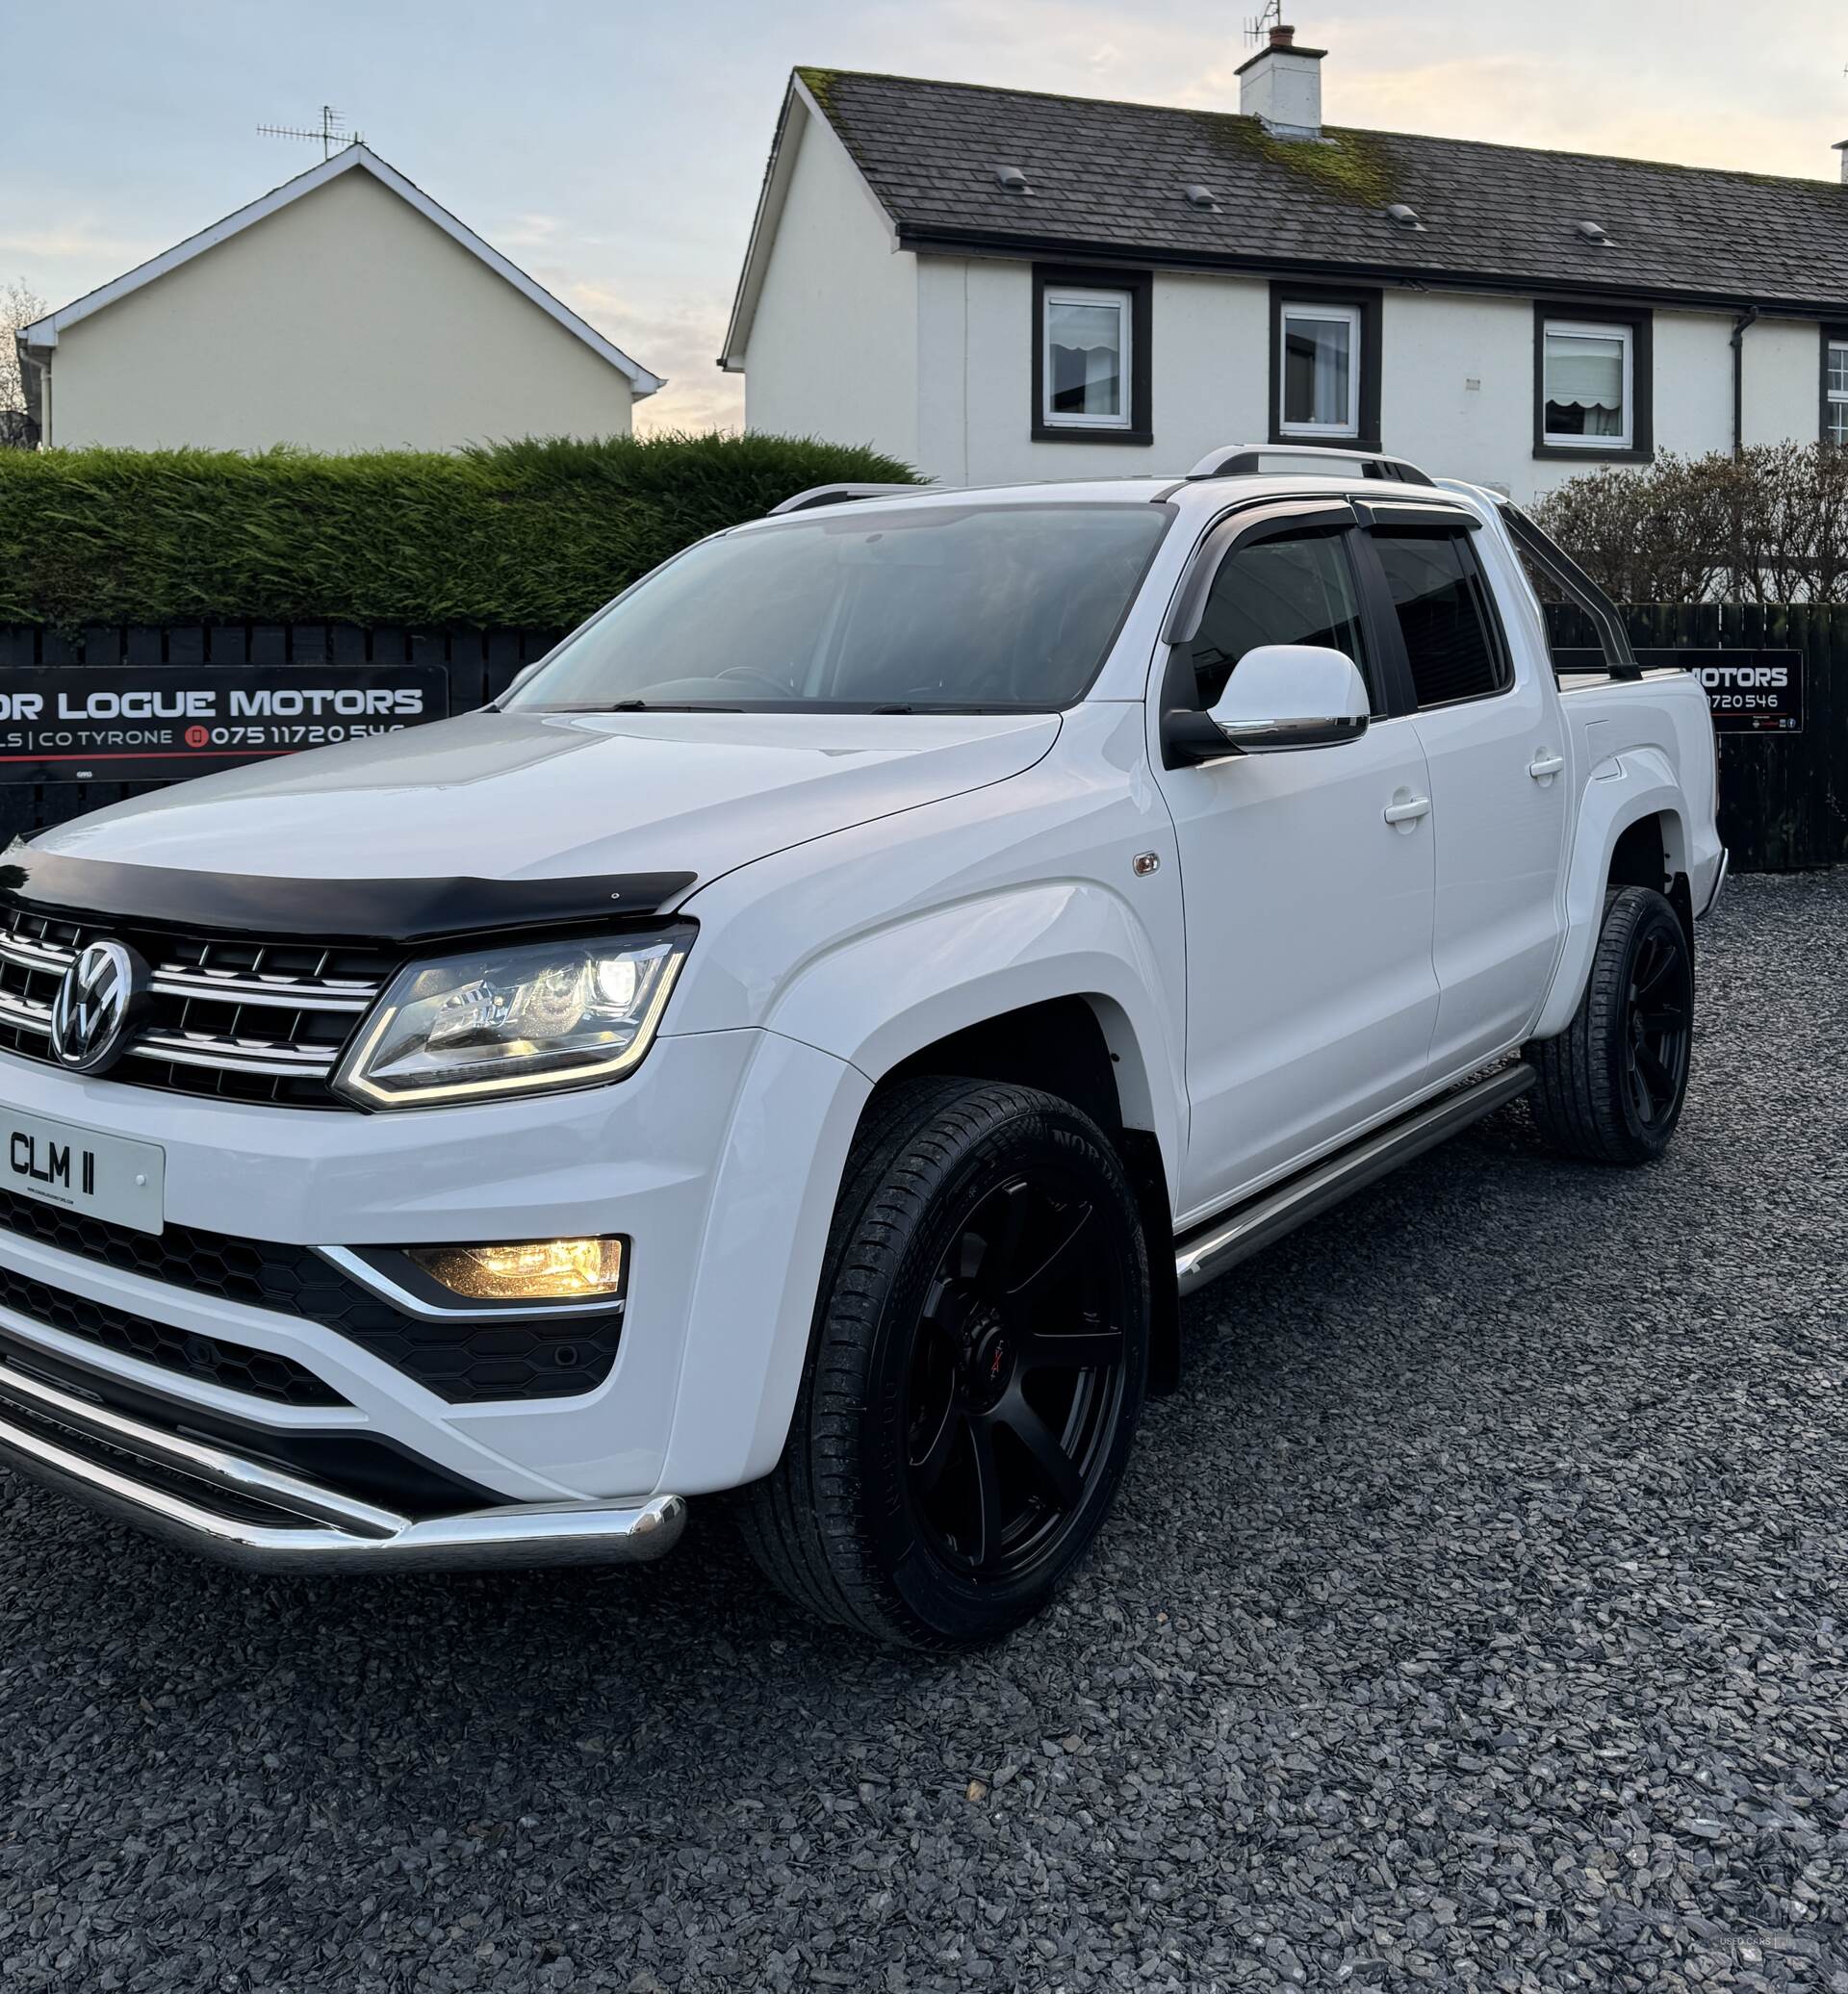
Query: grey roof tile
{"x": 1110, "y": 175}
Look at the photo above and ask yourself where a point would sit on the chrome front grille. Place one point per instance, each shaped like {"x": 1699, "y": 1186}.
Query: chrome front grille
{"x": 239, "y": 1020}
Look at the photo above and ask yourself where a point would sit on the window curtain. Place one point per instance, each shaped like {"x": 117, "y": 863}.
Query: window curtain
{"x": 1316, "y": 363}
{"x": 1086, "y": 363}
{"x": 1587, "y": 375}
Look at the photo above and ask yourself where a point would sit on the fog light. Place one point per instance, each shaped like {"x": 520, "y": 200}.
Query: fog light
{"x": 529, "y": 1270}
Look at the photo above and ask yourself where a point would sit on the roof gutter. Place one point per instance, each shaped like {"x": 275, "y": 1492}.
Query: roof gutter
{"x": 1741, "y": 326}
{"x": 984, "y": 243}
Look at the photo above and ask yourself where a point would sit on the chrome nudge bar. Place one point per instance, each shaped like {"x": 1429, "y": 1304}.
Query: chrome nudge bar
{"x": 210, "y": 1500}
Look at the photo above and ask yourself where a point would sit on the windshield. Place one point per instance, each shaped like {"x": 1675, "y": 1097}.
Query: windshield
{"x": 993, "y": 608}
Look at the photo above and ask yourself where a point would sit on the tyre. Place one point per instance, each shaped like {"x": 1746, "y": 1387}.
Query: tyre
{"x": 975, "y": 1372}
{"x": 1613, "y": 1083}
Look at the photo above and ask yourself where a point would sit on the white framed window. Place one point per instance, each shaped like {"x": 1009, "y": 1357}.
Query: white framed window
{"x": 1834, "y": 394}
{"x": 1086, "y": 358}
{"x": 1318, "y": 370}
{"x": 1588, "y": 385}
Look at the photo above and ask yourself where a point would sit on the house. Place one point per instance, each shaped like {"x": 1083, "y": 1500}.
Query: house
{"x": 342, "y": 311}
{"x": 995, "y": 284}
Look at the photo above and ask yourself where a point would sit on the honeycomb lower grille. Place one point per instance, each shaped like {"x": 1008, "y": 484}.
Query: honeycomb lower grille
{"x": 259, "y": 1373}
{"x": 236, "y": 1020}
{"x": 463, "y": 1362}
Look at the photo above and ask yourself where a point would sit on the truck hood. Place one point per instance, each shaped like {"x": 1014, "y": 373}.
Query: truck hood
{"x": 554, "y": 795}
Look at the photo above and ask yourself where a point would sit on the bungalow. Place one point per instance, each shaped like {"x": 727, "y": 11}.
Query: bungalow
{"x": 996, "y": 284}
{"x": 342, "y": 311}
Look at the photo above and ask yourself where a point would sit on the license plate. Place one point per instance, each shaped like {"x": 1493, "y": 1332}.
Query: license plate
{"x": 84, "y": 1170}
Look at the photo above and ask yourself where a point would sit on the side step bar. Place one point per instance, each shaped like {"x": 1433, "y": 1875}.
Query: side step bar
{"x": 1218, "y": 1245}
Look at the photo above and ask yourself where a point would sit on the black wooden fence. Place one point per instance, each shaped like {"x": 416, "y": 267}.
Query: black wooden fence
{"x": 480, "y": 664}
{"x": 1784, "y": 798}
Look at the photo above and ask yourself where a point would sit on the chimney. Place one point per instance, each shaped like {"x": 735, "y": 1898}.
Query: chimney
{"x": 1282, "y": 85}
{"x": 1842, "y": 148}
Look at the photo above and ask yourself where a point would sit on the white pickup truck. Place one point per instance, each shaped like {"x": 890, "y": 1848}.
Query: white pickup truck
{"x": 807, "y": 1037}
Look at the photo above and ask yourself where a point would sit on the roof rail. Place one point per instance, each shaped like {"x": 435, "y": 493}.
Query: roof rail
{"x": 836, "y": 494}
{"x": 1253, "y": 459}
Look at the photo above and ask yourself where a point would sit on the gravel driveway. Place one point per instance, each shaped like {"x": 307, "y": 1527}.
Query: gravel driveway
{"x": 1474, "y": 1617}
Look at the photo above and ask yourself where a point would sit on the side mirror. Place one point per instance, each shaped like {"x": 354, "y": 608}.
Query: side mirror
{"x": 1279, "y": 695}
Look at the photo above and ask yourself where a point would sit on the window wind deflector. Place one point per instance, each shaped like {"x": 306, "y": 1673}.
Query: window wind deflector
{"x": 1577, "y": 587}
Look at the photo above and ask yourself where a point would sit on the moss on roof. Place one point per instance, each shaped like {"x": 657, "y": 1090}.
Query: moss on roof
{"x": 820, "y": 85}
{"x": 1347, "y": 165}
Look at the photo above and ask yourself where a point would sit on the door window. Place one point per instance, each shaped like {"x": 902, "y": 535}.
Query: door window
{"x": 1296, "y": 590}
{"x": 1451, "y": 642}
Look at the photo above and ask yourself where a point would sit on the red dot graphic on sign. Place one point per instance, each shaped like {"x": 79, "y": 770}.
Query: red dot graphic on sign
{"x": 196, "y": 737}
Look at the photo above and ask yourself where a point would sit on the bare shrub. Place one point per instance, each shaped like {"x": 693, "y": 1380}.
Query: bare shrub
{"x": 1766, "y": 527}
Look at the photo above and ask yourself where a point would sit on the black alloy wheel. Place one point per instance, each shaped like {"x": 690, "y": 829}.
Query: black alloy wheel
{"x": 1613, "y": 1083}
{"x": 1659, "y": 1009}
{"x": 975, "y": 1372}
{"x": 1016, "y": 1374}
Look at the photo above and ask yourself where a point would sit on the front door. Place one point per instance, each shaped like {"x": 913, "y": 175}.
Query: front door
{"x": 1310, "y": 989}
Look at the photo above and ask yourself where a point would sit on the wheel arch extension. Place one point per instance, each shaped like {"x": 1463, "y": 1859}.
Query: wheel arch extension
{"x": 1632, "y": 832}
{"x": 1083, "y": 1048}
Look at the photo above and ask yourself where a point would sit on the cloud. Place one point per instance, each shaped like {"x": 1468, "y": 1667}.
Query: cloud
{"x": 679, "y": 340}
{"x": 79, "y": 240}
{"x": 528, "y": 232}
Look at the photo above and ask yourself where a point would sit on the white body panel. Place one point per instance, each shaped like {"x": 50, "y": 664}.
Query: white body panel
{"x": 1289, "y": 1045}
{"x": 1272, "y": 964}
{"x": 1500, "y": 814}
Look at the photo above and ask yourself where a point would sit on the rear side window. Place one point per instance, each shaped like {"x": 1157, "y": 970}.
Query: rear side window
{"x": 1298, "y": 590}
{"x": 1444, "y": 616}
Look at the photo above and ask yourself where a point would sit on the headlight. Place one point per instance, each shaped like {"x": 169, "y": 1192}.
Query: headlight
{"x": 503, "y": 1021}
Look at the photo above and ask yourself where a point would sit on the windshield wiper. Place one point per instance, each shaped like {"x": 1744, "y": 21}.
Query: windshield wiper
{"x": 949, "y": 707}
{"x": 662, "y": 707}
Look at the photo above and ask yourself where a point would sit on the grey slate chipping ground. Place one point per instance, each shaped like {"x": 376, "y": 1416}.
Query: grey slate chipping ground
{"x": 1474, "y": 1617}
{"x": 1110, "y": 178}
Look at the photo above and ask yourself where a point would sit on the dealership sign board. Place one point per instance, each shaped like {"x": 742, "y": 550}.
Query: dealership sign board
{"x": 159, "y": 725}
{"x": 1752, "y": 692}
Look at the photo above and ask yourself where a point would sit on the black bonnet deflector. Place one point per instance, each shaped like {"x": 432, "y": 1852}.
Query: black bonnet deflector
{"x": 401, "y": 911}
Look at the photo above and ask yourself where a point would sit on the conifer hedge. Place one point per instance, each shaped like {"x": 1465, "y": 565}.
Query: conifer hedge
{"x": 524, "y": 535}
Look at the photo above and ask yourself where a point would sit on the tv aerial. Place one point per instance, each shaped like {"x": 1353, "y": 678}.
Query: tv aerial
{"x": 332, "y": 133}
{"x": 1258, "y": 26}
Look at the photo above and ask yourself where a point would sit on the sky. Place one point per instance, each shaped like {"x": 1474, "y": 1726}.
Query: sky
{"x": 613, "y": 148}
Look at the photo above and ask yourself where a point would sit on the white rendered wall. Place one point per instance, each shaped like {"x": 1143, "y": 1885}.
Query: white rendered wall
{"x": 975, "y": 384}
{"x": 833, "y": 348}
{"x": 1456, "y": 387}
{"x": 1783, "y": 381}
{"x": 343, "y": 322}
{"x": 1457, "y": 392}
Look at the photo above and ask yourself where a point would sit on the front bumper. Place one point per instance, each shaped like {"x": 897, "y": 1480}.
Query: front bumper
{"x": 252, "y": 1515}
{"x": 717, "y": 1157}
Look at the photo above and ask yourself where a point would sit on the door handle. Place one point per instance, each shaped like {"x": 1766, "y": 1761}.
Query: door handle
{"x": 1546, "y": 765}
{"x": 1409, "y": 811}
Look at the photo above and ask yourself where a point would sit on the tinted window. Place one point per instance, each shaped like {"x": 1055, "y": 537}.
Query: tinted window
{"x": 1296, "y": 591}
{"x": 1010, "y": 606}
{"x": 1444, "y": 616}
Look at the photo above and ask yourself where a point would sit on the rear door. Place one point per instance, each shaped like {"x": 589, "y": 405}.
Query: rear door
{"x": 1311, "y": 994}
{"x": 1493, "y": 739}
